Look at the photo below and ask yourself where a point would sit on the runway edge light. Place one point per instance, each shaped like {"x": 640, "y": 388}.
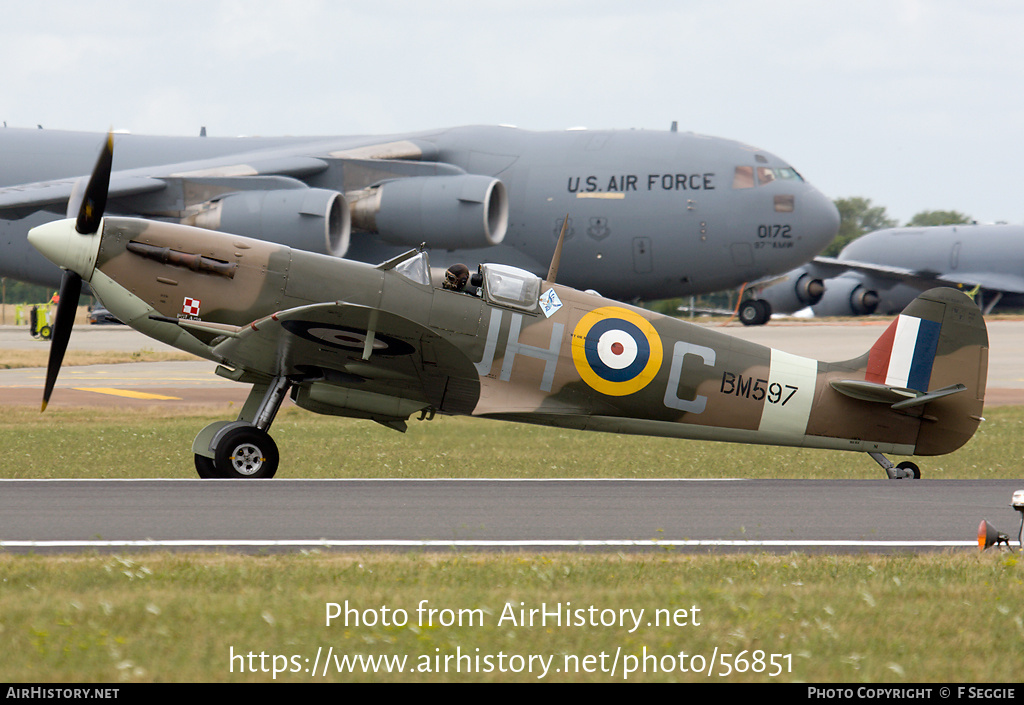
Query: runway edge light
{"x": 988, "y": 535}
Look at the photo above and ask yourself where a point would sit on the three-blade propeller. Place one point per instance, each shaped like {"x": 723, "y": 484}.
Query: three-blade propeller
{"x": 87, "y": 207}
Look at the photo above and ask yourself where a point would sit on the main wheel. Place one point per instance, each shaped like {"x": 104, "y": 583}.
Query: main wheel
{"x": 246, "y": 452}
{"x": 205, "y": 467}
{"x": 754, "y": 312}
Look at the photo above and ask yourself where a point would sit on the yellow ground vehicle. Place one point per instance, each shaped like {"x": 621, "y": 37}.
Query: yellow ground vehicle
{"x": 39, "y": 321}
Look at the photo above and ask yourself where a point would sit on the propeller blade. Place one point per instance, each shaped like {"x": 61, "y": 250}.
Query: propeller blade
{"x": 70, "y": 290}
{"x": 94, "y": 200}
{"x": 557, "y": 257}
{"x": 89, "y": 204}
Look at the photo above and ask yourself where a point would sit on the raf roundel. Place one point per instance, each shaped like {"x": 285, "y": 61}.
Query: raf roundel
{"x": 616, "y": 352}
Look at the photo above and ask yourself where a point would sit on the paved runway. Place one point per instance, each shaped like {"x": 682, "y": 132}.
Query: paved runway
{"x": 773, "y": 515}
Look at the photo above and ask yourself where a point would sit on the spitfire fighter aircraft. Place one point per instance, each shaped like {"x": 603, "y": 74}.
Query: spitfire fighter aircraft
{"x": 386, "y": 343}
{"x": 883, "y": 271}
{"x": 655, "y": 214}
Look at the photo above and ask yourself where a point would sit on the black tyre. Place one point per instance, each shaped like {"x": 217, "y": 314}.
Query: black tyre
{"x": 246, "y": 452}
{"x": 754, "y": 312}
{"x": 911, "y": 467}
{"x": 205, "y": 467}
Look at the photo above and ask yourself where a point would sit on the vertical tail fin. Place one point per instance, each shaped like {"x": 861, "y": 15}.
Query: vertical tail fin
{"x": 932, "y": 363}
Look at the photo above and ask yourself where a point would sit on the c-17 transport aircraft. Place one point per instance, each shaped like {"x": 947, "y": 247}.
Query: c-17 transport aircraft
{"x": 882, "y": 271}
{"x": 384, "y": 343}
{"x": 655, "y": 214}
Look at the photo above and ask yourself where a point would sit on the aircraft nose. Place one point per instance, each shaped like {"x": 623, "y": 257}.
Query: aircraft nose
{"x": 822, "y": 219}
{"x": 60, "y": 243}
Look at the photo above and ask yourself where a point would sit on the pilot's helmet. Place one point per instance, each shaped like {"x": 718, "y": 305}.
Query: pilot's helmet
{"x": 456, "y": 276}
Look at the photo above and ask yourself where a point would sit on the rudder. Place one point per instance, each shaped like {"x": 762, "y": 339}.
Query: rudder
{"x": 937, "y": 344}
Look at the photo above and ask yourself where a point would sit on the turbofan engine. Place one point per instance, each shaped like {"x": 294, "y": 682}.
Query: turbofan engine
{"x": 446, "y": 212}
{"x": 800, "y": 289}
{"x": 847, "y": 296}
{"x": 311, "y": 219}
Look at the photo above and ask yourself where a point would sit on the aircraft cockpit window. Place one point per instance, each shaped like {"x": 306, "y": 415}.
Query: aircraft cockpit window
{"x": 416, "y": 268}
{"x": 766, "y": 175}
{"x": 510, "y": 286}
{"x": 744, "y": 177}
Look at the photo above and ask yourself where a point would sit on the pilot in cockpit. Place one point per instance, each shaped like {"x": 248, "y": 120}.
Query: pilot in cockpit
{"x": 456, "y": 277}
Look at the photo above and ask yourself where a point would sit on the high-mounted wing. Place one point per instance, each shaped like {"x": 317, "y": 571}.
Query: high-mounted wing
{"x": 22, "y": 200}
{"x": 831, "y": 267}
{"x": 307, "y": 194}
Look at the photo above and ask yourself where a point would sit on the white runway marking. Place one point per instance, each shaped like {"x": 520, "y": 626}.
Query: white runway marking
{"x": 545, "y": 543}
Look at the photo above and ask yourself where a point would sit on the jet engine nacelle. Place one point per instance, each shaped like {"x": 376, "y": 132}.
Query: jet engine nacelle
{"x": 446, "y": 212}
{"x": 847, "y": 296}
{"x": 799, "y": 290}
{"x": 311, "y": 219}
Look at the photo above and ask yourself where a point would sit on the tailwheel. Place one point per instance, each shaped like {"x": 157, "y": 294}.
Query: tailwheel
{"x": 906, "y": 470}
{"x": 246, "y": 452}
{"x": 910, "y": 470}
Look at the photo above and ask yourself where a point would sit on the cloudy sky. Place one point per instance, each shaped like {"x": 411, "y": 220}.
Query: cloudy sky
{"x": 913, "y": 104}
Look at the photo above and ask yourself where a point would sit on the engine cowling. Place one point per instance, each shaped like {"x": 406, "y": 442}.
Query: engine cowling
{"x": 446, "y": 212}
{"x": 316, "y": 220}
{"x": 799, "y": 290}
{"x": 847, "y": 296}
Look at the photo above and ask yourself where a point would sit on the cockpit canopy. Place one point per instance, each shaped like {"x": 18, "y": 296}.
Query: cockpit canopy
{"x": 510, "y": 286}
{"x": 501, "y": 284}
{"x": 744, "y": 176}
{"x": 416, "y": 267}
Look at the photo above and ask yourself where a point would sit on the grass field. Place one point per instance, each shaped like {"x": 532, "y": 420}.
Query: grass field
{"x": 153, "y": 442}
{"x": 164, "y": 617}
{"x": 15, "y": 359}
{"x": 144, "y": 617}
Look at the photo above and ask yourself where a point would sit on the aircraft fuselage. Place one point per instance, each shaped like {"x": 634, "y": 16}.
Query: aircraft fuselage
{"x": 651, "y": 214}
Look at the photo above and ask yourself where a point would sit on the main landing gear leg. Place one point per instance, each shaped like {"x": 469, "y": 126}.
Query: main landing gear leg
{"x": 904, "y": 471}
{"x": 243, "y": 448}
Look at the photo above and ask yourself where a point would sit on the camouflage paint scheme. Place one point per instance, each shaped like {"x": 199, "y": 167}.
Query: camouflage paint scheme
{"x": 384, "y": 343}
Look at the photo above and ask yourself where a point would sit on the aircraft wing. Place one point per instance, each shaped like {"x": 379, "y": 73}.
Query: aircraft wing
{"x": 178, "y": 186}
{"x": 25, "y": 199}
{"x": 988, "y": 281}
{"x": 382, "y": 360}
{"x": 829, "y": 267}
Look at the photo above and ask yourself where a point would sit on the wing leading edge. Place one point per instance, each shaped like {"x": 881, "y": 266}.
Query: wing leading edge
{"x": 351, "y": 360}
